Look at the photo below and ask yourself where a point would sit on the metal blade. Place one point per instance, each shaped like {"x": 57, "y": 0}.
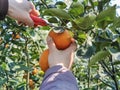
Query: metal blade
{"x": 57, "y": 29}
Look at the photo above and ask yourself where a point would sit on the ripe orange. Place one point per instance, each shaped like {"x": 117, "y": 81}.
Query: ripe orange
{"x": 31, "y": 84}
{"x": 16, "y": 36}
{"x": 43, "y": 61}
{"x": 6, "y": 45}
{"x": 61, "y": 40}
{"x": 35, "y": 71}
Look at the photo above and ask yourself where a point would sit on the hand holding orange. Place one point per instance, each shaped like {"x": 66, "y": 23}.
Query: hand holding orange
{"x": 62, "y": 41}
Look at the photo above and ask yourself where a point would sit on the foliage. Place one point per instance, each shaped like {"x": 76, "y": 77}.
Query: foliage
{"x": 96, "y": 29}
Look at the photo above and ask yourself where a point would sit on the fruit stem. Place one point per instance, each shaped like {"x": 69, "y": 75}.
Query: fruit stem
{"x": 44, "y": 3}
{"x": 89, "y": 71}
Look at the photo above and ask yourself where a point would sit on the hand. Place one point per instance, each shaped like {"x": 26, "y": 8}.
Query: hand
{"x": 19, "y": 10}
{"x": 60, "y": 57}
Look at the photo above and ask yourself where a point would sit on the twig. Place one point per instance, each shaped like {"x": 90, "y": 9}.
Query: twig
{"x": 26, "y": 52}
{"x": 114, "y": 73}
{"x": 43, "y": 1}
{"x": 107, "y": 70}
{"x": 88, "y": 74}
{"x": 106, "y": 83}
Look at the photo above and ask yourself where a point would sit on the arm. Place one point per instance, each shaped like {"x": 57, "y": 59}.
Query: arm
{"x": 3, "y": 8}
{"x": 18, "y": 10}
{"x": 59, "y": 78}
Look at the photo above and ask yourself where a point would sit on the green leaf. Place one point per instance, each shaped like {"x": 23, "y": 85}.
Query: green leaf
{"x": 116, "y": 63}
{"x": 22, "y": 67}
{"x": 5, "y": 66}
{"x": 61, "y": 5}
{"x": 116, "y": 22}
{"x": 84, "y": 23}
{"x": 16, "y": 50}
{"x": 7, "y": 37}
{"x": 19, "y": 43}
{"x": 76, "y": 9}
{"x": 81, "y": 37}
{"x": 106, "y": 17}
{"x": 99, "y": 56}
{"x": 108, "y": 14}
{"x": 75, "y": 0}
{"x": 21, "y": 86}
{"x": 53, "y": 20}
{"x": 34, "y": 56}
{"x": 115, "y": 53}
{"x": 58, "y": 13}
{"x": 90, "y": 51}
{"x": 3, "y": 81}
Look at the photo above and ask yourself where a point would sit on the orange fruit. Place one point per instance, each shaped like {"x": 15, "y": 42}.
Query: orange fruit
{"x": 35, "y": 71}
{"x": 6, "y": 45}
{"x": 43, "y": 61}
{"x": 31, "y": 84}
{"x": 15, "y": 35}
{"x": 61, "y": 40}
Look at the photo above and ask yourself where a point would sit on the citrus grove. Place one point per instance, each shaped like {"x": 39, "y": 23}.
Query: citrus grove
{"x": 93, "y": 24}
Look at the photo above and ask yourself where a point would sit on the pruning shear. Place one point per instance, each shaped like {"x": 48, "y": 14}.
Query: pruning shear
{"x": 39, "y": 21}
{"x": 57, "y": 29}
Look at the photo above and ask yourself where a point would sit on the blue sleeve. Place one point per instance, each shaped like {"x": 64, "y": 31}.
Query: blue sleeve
{"x": 59, "y": 78}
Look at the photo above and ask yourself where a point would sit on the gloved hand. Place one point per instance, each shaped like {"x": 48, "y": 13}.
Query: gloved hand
{"x": 19, "y": 10}
{"x": 60, "y": 57}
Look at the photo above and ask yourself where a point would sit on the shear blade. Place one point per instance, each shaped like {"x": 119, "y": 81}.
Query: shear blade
{"x": 58, "y": 29}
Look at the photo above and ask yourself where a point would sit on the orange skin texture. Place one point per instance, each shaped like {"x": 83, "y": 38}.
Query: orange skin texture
{"x": 31, "y": 84}
{"x": 61, "y": 40}
{"x": 43, "y": 61}
{"x": 16, "y": 36}
{"x": 6, "y": 45}
{"x": 35, "y": 71}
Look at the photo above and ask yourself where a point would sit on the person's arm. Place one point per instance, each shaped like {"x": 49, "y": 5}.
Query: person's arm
{"x": 3, "y": 8}
{"x": 59, "y": 78}
{"x": 18, "y": 10}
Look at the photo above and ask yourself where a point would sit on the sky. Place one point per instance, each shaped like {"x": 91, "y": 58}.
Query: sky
{"x": 117, "y": 2}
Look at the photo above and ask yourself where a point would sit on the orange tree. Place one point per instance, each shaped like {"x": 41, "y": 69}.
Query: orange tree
{"x": 95, "y": 27}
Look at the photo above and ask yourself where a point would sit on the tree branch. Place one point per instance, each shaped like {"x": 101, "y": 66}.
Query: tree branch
{"x": 114, "y": 73}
